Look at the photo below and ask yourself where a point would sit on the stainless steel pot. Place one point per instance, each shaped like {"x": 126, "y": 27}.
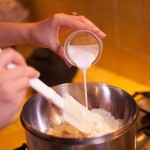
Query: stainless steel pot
{"x": 38, "y": 115}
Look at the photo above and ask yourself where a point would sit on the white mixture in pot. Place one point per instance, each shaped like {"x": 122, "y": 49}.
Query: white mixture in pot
{"x": 103, "y": 124}
{"x": 108, "y": 124}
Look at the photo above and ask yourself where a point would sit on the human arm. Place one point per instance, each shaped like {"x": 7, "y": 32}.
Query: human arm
{"x": 13, "y": 83}
{"x": 46, "y": 32}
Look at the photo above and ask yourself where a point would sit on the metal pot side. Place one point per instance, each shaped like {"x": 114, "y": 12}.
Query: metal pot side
{"x": 38, "y": 115}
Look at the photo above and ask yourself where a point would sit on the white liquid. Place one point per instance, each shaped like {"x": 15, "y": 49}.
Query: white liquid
{"x": 102, "y": 120}
{"x": 83, "y": 56}
{"x": 91, "y": 123}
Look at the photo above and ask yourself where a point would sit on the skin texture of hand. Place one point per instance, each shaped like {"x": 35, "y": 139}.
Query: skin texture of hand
{"x": 46, "y": 32}
{"x": 13, "y": 83}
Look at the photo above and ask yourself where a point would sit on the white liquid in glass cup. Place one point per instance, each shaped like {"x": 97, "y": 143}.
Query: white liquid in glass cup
{"x": 83, "y": 49}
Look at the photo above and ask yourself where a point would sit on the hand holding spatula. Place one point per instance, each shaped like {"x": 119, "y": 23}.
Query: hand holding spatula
{"x": 73, "y": 112}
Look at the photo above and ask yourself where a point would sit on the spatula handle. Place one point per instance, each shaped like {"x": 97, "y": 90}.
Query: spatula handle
{"x": 47, "y": 92}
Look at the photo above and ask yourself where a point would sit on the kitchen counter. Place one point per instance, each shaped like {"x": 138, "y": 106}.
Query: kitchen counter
{"x": 13, "y": 135}
{"x": 100, "y": 75}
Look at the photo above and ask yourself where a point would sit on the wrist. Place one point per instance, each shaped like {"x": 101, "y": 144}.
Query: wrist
{"x": 25, "y": 34}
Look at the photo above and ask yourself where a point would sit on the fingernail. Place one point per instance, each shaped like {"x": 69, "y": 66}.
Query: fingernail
{"x": 102, "y": 34}
{"x": 38, "y": 73}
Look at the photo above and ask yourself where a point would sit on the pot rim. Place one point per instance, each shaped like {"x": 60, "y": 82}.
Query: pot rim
{"x": 89, "y": 140}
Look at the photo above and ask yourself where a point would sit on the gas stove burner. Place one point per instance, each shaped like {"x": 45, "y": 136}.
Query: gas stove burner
{"x": 145, "y": 94}
{"x": 23, "y": 147}
{"x": 145, "y": 121}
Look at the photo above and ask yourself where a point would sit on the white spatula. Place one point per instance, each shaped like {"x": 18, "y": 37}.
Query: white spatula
{"x": 73, "y": 112}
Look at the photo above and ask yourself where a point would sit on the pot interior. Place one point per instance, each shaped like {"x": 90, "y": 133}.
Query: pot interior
{"x": 39, "y": 114}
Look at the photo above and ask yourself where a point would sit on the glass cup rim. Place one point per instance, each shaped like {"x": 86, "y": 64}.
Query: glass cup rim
{"x": 77, "y": 32}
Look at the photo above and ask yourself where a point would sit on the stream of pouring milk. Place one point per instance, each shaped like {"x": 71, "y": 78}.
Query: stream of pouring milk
{"x": 90, "y": 123}
{"x": 83, "y": 56}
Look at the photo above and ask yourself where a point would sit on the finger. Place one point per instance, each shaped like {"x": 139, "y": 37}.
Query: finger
{"x": 9, "y": 55}
{"x": 23, "y": 71}
{"x": 60, "y": 52}
{"x": 15, "y": 100}
{"x": 79, "y": 22}
{"x": 15, "y": 86}
{"x": 94, "y": 28}
{"x": 21, "y": 84}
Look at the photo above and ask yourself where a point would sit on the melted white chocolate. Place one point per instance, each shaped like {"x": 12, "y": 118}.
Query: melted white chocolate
{"x": 104, "y": 124}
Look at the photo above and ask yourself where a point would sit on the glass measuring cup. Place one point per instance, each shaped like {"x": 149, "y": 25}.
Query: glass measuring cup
{"x": 82, "y": 45}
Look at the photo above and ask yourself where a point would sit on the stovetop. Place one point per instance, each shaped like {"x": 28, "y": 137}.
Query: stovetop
{"x": 143, "y": 122}
{"x": 22, "y": 147}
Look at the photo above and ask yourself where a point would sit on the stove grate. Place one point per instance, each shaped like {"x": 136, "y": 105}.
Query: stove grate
{"x": 23, "y": 147}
